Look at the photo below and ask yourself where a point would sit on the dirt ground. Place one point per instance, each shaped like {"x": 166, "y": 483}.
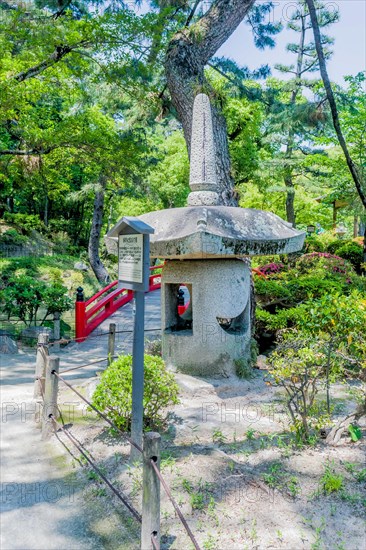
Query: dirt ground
{"x": 233, "y": 468}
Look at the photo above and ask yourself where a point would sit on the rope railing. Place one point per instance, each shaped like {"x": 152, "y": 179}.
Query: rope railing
{"x": 51, "y": 376}
{"x": 175, "y": 505}
{"x": 122, "y": 498}
{"x": 89, "y": 364}
{"x": 126, "y": 331}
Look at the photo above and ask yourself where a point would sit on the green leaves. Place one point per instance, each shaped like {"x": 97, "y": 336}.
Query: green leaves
{"x": 114, "y": 393}
{"x": 23, "y": 296}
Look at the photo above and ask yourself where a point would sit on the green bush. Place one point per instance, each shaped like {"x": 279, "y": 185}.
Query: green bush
{"x": 335, "y": 245}
{"x": 324, "y": 264}
{"x": 327, "y": 344}
{"x": 12, "y": 237}
{"x": 313, "y": 244}
{"x": 113, "y": 395}
{"x": 23, "y": 296}
{"x": 352, "y": 252}
{"x": 271, "y": 290}
{"x": 26, "y": 222}
{"x": 313, "y": 286}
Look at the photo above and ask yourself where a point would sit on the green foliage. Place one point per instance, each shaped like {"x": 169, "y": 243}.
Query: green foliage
{"x": 277, "y": 478}
{"x": 244, "y": 366}
{"x": 23, "y": 296}
{"x": 26, "y": 222}
{"x": 218, "y": 436}
{"x": 353, "y": 253}
{"x": 330, "y": 481}
{"x": 359, "y": 475}
{"x": 12, "y": 237}
{"x": 355, "y": 432}
{"x": 113, "y": 395}
{"x": 326, "y": 343}
{"x": 313, "y": 244}
{"x": 153, "y": 347}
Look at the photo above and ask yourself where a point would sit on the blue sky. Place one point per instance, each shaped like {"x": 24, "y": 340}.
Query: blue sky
{"x": 349, "y": 48}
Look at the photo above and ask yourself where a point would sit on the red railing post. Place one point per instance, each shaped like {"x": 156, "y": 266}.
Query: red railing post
{"x": 80, "y": 315}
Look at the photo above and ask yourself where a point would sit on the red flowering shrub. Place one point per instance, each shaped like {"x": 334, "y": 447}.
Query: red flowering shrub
{"x": 272, "y": 268}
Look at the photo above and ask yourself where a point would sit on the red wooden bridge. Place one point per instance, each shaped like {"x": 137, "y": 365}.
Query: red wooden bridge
{"x": 91, "y": 313}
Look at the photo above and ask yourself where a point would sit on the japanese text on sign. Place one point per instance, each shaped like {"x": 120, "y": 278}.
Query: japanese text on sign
{"x": 130, "y": 258}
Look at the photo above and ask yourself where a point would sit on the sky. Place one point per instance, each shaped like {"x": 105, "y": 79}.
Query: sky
{"x": 349, "y": 48}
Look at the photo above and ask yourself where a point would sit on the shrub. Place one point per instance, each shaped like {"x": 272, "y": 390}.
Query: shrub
{"x": 61, "y": 242}
{"x": 23, "y": 296}
{"x": 272, "y": 268}
{"x": 327, "y": 344}
{"x": 12, "y": 237}
{"x": 26, "y": 222}
{"x": 271, "y": 290}
{"x": 313, "y": 244}
{"x": 353, "y": 253}
{"x": 333, "y": 246}
{"x": 113, "y": 394}
{"x": 324, "y": 262}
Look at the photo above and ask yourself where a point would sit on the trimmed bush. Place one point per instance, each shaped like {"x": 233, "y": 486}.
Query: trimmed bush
{"x": 353, "y": 253}
{"x": 113, "y": 395}
{"x": 313, "y": 244}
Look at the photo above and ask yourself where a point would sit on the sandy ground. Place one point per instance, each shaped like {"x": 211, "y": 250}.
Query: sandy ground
{"x": 226, "y": 455}
{"x": 237, "y": 479}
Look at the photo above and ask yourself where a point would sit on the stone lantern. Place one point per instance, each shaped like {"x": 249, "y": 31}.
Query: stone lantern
{"x": 206, "y": 247}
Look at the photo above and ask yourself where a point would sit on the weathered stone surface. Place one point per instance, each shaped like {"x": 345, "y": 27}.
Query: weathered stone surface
{"x": 203, "y": 198}
{"x": 202, "y": 179}
{"x": 7, "y": 345}
{"x": 220, "y": 297}
{"x": 220, "y": 232}
{"x": 215, "y": 329}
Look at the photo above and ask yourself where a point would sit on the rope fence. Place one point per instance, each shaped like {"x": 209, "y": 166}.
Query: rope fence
{"x": 121, "y": 497}
{"x": 65, "y": 341}
{"x": 47, "y": 378}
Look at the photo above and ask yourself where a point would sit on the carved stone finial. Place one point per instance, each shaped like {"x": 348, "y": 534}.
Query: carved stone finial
{"x": 202, "y": 179}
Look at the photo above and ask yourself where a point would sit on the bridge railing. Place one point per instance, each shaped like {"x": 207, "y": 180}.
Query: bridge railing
{"x": 91, "y": 313}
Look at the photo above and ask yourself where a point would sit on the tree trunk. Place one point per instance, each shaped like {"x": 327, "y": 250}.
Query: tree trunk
{"x": 97, "y": 266}
{"x": 288, "y": 177}
{"x": 333, "y": 106}
{"x": 290, "y": 200}
{"x": 188, "y": 53}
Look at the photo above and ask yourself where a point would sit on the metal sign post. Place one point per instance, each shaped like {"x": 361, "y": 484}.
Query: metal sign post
{"x": 133, "y": 273}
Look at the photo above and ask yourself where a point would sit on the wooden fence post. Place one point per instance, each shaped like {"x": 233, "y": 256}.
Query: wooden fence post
{"x": 56, "y": 330}
{"x": 151, "y": 492}
{"x": 50, "y": 396}
{"x": 41, "y": 360}
{"x": 111, "y": 342}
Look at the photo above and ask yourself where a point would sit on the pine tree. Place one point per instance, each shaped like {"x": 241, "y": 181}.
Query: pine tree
{"x": 306, "y": 62}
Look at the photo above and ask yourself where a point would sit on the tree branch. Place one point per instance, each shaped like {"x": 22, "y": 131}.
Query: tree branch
{"x": 219, "y": 23}
{"x": 19, "y": 152}
{"x": 59, "y": 53}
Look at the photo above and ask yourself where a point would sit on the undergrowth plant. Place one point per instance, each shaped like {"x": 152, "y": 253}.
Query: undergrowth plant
{"x": 327, "y": 346}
